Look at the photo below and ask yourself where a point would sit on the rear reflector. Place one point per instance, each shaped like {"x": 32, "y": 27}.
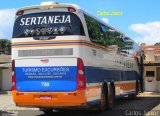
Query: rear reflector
{"x": 13, "y": 76}
{"x": 45, "y": 60}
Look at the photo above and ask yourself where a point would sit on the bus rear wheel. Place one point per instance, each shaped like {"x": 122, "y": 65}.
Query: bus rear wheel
{"x": 107, "y": 98}
{"x": 103, "y": 100}
{"x": 110, "y": 100}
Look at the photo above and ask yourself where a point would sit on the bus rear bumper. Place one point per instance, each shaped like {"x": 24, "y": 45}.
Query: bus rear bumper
{"x": 50, "y": 99}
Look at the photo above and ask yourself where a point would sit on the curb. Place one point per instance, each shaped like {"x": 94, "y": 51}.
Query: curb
{"x": 154, "y": 94}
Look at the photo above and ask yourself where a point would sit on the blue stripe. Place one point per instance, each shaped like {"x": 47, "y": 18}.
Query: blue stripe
{"x": 49, "y": 43}
{"x": 86, "y": 43}
{"x": 98, "y": 74}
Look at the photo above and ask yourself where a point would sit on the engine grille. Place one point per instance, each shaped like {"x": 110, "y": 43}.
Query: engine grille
{"x": 45, "y": 52}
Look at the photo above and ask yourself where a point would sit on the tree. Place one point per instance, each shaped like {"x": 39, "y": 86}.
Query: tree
{"x": 5, "y": 46}
{"x": 142, "y": 44}
{"x": 157, "y": 44}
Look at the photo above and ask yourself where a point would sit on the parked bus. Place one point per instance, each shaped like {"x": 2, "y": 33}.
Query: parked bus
{"x": 64, "y": 57}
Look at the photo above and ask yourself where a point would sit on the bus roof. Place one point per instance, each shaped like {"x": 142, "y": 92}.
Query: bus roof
{"x": 50, "y": 5}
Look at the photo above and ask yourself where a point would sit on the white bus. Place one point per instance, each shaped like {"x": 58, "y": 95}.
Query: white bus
{"x": 64, "y": 57}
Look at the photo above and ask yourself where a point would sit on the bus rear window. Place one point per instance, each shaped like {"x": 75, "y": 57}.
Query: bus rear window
{"x": 47, "y": 24}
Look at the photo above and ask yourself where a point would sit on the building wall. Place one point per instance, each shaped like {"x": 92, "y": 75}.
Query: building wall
{"x": 5, "y": 58}
{"x": 150, "y": 68}
{"x": 151, "y": 83}
{"x": 150, "y": 56}
{"x": 0, "y": 79}
{"x": 158, "y": 73}
{"x": 151, "y": 62}
{"x": 6, "y": 79}
{"x": 158, "y": 78}
{"x": 157, "y": 58}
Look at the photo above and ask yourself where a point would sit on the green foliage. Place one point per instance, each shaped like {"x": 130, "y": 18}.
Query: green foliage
{"x": 102, "y": 34}
{"x": 128, "y": 43}
{"x": 157, "y": 44}
{"x": 5, "y": 46}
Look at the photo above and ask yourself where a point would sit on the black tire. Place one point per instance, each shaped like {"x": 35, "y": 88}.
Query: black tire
{"x": 47, "y": 110}
{"x": 111, "y": 98}
{"x": 103, "y": 101}
{"x": 107, "y": 100}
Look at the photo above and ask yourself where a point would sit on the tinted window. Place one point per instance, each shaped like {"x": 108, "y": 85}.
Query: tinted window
{"x": 128, "y": 43}
{"x": 150, "y": 73}
{"x": 47, "y": 24}
{"x": 102, "y": 34}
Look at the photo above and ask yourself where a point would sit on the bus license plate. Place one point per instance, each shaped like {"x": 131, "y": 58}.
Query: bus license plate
{"x": 45, "y": 97}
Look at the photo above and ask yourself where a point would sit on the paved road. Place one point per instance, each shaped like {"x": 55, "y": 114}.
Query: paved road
{"x": 123, "y": 107}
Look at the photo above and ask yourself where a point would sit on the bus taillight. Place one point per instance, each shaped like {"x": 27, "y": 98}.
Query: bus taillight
{"x": 70, "y": 9}
{"x": 19, "y": 13}
{"x": 13, "y": 76}
{"x": 81, "y": 79}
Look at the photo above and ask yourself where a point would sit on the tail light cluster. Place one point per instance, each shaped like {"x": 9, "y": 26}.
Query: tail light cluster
{"x": 81, "y": 79}
{"x": 13, "y": 76}
{"x": 19, "y": 13}
{"x": 70, "y": 9}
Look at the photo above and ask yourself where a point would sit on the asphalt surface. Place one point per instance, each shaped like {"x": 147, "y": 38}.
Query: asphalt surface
{"x": 141, "y": 106}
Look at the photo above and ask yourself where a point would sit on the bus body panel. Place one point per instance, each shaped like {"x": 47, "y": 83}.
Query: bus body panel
{"x": 96, "y": 72}
{"x": 50, "y": 99}
{"x": 46, "y": 74}
{"x": 58, "y": 57}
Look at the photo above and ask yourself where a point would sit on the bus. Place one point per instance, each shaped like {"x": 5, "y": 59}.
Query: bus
{"x": 65, "y": 57}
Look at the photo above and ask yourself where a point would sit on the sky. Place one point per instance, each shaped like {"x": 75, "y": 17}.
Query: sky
{"x": 138, "y": 19}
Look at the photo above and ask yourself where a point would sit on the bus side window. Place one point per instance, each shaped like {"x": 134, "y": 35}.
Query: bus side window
{"x": 93, "y": 29}
{"x": 96, "y": 31}
{"x": 102, "y": 34}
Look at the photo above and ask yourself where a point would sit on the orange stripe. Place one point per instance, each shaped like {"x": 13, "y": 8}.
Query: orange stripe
{"x": 93, "y": 91}
{"x": 41, "y": 41}
{"x": 126, "y": 86}
{"x": 129, "y": 86}
{"x": 46, "y": 45}
{"x": 60, "y": 45}
{"x": 93, "y": 87}
{"x": 33, "y": 46}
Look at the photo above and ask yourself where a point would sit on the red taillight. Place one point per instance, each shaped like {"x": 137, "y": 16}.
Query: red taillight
{"x": 19, "y": 13}
{"x": 13, "y": 76}
{"x": 81, "y": 79}
{"x": 70, "y": 9}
